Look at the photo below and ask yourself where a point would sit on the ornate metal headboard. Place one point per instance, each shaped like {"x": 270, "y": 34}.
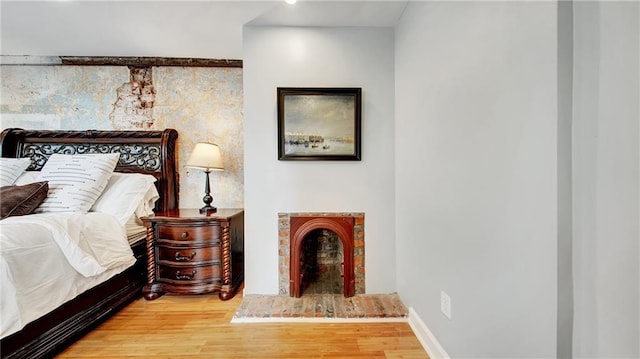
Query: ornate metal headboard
{"x": 148, "y": 152}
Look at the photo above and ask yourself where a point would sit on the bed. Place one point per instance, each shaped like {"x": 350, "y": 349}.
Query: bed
{"x": 144, "y": 152}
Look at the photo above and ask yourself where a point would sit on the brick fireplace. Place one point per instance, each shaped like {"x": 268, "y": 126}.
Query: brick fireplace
{"x": 300, "y": 231}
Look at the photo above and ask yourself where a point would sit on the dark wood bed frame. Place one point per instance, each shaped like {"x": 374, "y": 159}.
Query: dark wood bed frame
{"x": 148, "y": 152}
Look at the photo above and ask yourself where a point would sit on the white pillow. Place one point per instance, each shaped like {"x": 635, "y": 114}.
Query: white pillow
{"x": 148, "y": 203}
{"x": 27, "y": 177}
{"x": 75, "y": 181}
{"x": 11, "y": 169}
{"x": 124, "y": 193}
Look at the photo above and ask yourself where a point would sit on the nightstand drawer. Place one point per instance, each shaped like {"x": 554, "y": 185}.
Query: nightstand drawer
{"x": 188, "y": 233}
{"x": 171, "y": 274}
{"x": 188, "y": 255}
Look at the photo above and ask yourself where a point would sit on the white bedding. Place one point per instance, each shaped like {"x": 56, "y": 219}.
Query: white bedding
{"x": 48, "y": 259}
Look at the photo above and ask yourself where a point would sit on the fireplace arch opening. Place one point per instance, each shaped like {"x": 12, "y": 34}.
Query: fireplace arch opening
{"x": 321, "y": 259}
{"x": 302, "y": 237}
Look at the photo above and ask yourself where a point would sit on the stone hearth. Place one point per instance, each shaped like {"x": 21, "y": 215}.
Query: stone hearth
{"x": 277, "y": 308}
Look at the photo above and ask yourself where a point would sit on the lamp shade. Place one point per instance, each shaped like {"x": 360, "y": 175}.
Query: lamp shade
{"x": 207, "y": 156}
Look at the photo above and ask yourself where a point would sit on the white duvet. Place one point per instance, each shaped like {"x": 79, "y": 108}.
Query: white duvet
{"x": 48, "y": 259}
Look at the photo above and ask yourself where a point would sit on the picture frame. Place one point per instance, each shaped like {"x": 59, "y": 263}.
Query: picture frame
{"x": 321, "y": 124}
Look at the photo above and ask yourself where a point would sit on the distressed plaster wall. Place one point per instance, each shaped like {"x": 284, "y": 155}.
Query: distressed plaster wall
{"x": 59, "y": 97}
{"x": 202, "y": 103}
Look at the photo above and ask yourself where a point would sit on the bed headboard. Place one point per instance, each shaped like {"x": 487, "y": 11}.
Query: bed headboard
{"x": 148, "y": 152}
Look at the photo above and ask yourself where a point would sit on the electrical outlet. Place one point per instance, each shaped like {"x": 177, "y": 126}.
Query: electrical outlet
{"x": 445, "y": 304}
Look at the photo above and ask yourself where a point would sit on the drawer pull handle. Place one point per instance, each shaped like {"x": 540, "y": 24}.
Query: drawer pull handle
{"x": 185, "y": 234}
{"x": 181, "y": 276}
{"x": 181, "y": 258}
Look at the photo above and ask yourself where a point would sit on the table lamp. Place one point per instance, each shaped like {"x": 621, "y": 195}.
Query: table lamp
{"x": 206, "y": 156}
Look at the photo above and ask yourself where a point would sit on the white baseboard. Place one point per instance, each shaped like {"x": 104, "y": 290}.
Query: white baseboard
{"x": 426, "y": 338}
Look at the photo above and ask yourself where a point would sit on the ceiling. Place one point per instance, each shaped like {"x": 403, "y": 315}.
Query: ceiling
{"x": 195, "y": 29}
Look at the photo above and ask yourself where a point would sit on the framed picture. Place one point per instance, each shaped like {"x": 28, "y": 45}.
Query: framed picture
{"x": 319, "y": 123}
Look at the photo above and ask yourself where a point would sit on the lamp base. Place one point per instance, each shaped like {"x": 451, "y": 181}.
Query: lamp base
{"x": 208, "y": 209}
{"x": 207, "y": 199}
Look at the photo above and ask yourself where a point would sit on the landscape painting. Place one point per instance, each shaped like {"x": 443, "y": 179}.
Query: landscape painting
{"x": 319, "y": 123}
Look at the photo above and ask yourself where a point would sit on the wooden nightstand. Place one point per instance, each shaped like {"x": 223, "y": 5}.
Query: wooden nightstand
{"x": 192, "y": 253}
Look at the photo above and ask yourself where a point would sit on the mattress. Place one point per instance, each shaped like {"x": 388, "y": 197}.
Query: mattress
{"x": 135, "y": 230}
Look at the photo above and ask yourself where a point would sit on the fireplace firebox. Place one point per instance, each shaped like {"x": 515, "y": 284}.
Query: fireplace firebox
{"x": 295, "y": 232}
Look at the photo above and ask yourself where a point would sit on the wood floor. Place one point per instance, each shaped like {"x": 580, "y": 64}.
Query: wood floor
{"x": 199, "y": 327}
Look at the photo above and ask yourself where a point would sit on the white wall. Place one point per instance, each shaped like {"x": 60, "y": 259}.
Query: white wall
{"x": 606, "y": 180}
{"x": 318, "y": 57}
{"x": 476, "y": 175}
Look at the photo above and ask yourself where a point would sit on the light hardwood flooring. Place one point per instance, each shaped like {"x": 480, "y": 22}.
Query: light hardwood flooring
{"x": 200, "y": 327}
